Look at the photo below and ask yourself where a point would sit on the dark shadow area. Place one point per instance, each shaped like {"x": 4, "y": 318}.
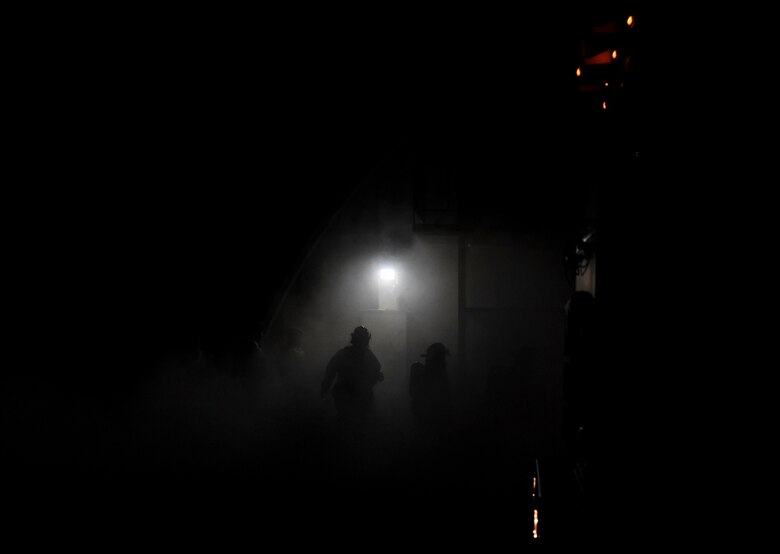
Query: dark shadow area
{"x": 213, "y": 243}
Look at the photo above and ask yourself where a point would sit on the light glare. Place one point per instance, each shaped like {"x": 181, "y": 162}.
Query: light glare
{"x": 536, "y": 524}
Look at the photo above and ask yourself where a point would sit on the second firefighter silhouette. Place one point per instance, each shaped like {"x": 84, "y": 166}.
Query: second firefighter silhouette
{"x": 355, "y": 370}
{"x": 430, "y": 390}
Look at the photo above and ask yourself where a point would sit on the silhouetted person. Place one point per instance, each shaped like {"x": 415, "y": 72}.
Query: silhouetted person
{"x": 355, "y": 370}
{"x": 430, "y": 391}
{"x": 580, "y": 349}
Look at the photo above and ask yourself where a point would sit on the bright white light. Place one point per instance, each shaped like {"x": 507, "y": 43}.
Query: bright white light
{"x": 388, "y": 288}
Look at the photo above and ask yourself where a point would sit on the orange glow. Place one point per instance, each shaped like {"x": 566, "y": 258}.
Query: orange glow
{"x": 533, "y": 489}
{"x": 614, "y": 54}
{"x": 630, "y": 20}
{"x": 602, "y": 58}
{"x": 611, "y": 27}
{"x": 606, "y": 84}
{"x": 579, "y": 72}
{"x": 536, "y": 524}
{"x": 604, "y": 105}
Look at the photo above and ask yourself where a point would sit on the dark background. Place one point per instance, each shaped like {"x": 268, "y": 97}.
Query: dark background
{"x": 175, "y": 173}
{"x": 228, "y": 149}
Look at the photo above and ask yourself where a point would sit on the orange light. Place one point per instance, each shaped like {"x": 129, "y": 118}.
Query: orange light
{"x": 604, "y": 105}
{"x": 606, "y": 84}
{"x": 614, "y": 54}
{"x": 536, "y": 524}
{"x": 579, "y": 72}
{"x": 630, "y": 20}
